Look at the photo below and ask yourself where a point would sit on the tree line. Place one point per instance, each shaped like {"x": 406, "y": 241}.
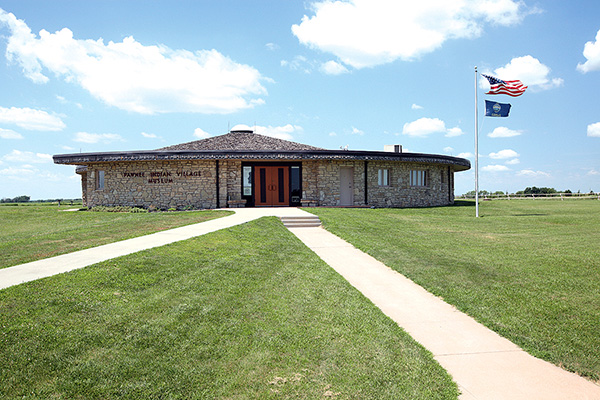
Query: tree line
{"x": 18, "y": 199}
{"x": 527, "y": 190}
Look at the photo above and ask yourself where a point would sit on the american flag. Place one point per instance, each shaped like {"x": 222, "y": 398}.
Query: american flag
{"x": 511, "y": 88}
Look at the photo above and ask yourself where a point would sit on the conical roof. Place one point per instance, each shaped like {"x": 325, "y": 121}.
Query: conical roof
{"x": 241, "y": 140}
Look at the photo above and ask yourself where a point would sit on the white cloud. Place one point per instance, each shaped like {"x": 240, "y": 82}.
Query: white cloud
{"x": 453, "y": 132}
{"x": 426, "y": 126}
{"x": 148, "y": 135}
{"x": 28, "y": 118}
{"x": 495, "y": 168}
{"x": 448, "y": 149}
{"x": 423, "y": 127}
{"x": 591, "y": 51}
{"x": 466, "y": 155}
{"x": 514, "y": 161}
{"x": 135, "y": 77}
{"x": 18, "y": 173}
{"x": 593, "y": 172}
{"x": 199, "y": 133}
{"x": 502, "y": 154}
{"x": 593, "y": 130}
{"x": 280, "y": 132}
{"x": 365, "y": 33}
{"x": 416, "y": 107}
{"x": 9, "y": 134}
{"x": 356, "y": 131}
{"x": 503, "y": 132}
{"x": 299, "y": 63}
{"x": 333, "y": 68}
{"x": 27, "y": 157}
{"x": 85, "y": 137}
{"x": 528, "y": 70}
{"x": 272, "y": 46}
{"x": 332, "y": 134}
{"x": 533, "y": 174}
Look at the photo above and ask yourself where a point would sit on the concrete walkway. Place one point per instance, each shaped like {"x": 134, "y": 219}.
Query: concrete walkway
{"x": 79, "y": 259}
{"x": 485, "y": 365}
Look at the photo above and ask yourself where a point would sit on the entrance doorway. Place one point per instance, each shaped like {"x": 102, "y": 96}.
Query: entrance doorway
{"x": 272, "y": 186}
{"x": 346, "y": 186}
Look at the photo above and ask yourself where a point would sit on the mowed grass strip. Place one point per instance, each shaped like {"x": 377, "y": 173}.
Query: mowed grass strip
{"x": 32, "y": 233}
{"x": 529, "y": 270}
{"x": 243, "y": 313}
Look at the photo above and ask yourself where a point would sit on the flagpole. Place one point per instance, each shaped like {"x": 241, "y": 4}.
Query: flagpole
{"x": 476, "y": 151}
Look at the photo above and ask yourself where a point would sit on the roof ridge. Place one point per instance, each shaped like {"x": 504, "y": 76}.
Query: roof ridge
{"x": 241, "y": 140}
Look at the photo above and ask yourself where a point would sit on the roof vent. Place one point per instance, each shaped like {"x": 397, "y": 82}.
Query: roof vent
{"x": 242, "y": 131}
{"x": 393, "y": 148}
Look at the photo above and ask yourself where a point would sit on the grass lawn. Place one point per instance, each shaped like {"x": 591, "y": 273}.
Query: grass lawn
{"x": 530, "y": 270}
{"x": 33, "y": 232}
{"x": 243, "y": 313}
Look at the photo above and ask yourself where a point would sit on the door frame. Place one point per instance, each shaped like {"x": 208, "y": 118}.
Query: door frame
{"x": 293, "y": 198}
{"x": 345, "y": 190}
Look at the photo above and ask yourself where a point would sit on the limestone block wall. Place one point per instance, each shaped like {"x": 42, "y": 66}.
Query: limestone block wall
{"x": 321, "y": 181}
{"x": 193, "y": 183}
{"x": 83, "y": 187}
{"x": 438, "y": 191}
{"x": 230, "y": 181}
{"x": 160, "y": 184}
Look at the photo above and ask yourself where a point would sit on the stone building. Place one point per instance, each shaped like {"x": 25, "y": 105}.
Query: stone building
{"x": 244, "y": 169}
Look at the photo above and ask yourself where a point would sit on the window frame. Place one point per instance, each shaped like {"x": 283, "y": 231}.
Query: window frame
{"x": 383, "y": 177}
{"x": 100, "y": 179}
{"x": 419, "y": 178}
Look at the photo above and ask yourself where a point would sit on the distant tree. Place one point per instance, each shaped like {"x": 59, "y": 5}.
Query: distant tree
{"x": 18, "y": 199}
{"x": 536, "y": 190}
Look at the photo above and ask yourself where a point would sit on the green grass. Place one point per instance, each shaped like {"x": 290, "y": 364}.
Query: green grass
{"x": 530, "y": 270}
{"x": 243, "y": 313}
{"x": 33, "y": 232}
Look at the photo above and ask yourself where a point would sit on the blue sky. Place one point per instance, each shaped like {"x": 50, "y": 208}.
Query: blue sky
{"x": 114, "y": 75}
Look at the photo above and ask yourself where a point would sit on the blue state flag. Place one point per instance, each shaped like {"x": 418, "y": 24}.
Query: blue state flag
{"x": 495, "y": 109}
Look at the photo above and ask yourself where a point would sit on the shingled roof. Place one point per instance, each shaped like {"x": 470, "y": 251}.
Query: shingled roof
{"x": 241, "y": 140}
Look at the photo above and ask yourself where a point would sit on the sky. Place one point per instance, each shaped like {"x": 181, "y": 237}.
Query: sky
{"x": 94, "y": 76}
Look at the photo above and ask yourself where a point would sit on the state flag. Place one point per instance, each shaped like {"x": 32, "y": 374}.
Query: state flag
{"x": 495, "y": 109}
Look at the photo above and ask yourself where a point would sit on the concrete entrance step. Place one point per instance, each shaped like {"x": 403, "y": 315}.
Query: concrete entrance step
{"x": 301, "y": 221}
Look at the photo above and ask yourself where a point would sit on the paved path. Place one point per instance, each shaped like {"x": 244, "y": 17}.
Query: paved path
{"x": 79, "y": 259}
{"x": 485, "y": 365}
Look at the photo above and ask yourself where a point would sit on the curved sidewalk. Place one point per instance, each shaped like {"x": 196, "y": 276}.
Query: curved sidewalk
{"x": 484, "y": 365}
{"x": 67, "y": 262}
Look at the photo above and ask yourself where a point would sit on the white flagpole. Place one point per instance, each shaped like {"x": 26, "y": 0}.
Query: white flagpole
{"x": 476, "y": 151}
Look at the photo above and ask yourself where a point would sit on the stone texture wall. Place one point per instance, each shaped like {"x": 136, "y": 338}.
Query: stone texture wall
{"x": 180, "y": 184}
{"x": 83, "y": 187}
{"x": 438, "y": 191}
{"x": 158, "y": 184}
{"x": 321, "y": 183}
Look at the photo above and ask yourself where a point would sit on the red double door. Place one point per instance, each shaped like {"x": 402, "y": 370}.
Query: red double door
{"x": 272, "y": 186}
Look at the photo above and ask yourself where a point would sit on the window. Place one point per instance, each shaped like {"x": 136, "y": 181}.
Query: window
{"x": 247, "y": 180}
{"x": 418, "y": 178}
{"x": 99, "y": 180}
{"x": 383, "y": 177}
{"x": 295, "y": 185}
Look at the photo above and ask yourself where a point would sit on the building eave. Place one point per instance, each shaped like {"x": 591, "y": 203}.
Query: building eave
{"x": 459, "y": 164}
